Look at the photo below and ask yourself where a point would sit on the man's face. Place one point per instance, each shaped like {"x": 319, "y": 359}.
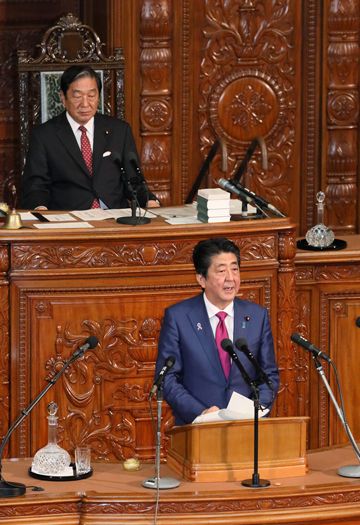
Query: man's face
{"x": 81, "y": 100}
{"x": 222, "y": 281}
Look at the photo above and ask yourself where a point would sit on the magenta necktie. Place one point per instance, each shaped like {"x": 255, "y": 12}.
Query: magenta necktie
{"x": 87, "y": 155}
{"x": 220, "y": 334}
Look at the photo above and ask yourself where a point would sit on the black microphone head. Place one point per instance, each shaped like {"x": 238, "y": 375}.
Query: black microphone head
{"x": 226, "y": 344}
{"x": 296, "y": 338}
{"x": 132, "y": 157}
{"x": 241, "y": 343}
{"x": 116, "y": 157}
{"x": 170, "y": 361}
{"x": 92, "y": 341}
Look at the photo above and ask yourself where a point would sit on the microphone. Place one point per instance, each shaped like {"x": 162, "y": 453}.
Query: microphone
{"x": 89, "y": 344}
{"x": 241, "y": 344}
{"x": 259, "y": 200}
{"x": 249, "y": 196}
{"x": 227, "y": 345}
{"x": 229, "y": 186}
{"x": 169, "y": 363}
{"x": 133, "y": 160}
{"x": 11, "y": 489}
{"x": 298, "y": 339}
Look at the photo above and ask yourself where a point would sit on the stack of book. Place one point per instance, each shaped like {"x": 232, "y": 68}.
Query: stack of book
{"x": 213, "y": 205}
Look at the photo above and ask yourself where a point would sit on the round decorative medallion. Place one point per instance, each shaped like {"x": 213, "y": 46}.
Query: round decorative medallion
{"x": 245, "y": 105}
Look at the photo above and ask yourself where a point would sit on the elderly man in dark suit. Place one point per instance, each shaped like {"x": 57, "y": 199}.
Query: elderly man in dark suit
{"x": 82, "y": 159}
{"x": 203, "y": 378}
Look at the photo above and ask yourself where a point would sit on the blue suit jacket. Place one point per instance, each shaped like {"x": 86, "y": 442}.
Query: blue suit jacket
{"x": 197, "y": 381}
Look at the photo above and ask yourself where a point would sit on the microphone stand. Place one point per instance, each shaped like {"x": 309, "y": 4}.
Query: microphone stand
{"x": 134, "y": 220}
{"x": 11, "y": 489}
{"x": 349, "y": 471}
{"x": 255, "y": 481}
{"x": 157, "y": 482}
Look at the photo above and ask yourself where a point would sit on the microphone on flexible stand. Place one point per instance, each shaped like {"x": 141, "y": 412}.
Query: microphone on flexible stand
{"x": 169, "y": 363}
{"x": 249, "y": 196}
{"x": 300, "y": 340}
{"x": 229, "y": 186}
{"x": 157, "y": 482}
{"x": 255, "y": 481}
{"x": 135, "y": 219}
{"x": 11, "y": 489}
{"x": 241, "y": 344}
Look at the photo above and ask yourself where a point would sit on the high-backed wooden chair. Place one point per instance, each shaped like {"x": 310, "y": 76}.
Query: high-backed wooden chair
{"x": 66, "y": 43}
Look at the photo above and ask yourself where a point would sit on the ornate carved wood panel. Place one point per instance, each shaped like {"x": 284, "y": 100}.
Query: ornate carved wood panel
{"x": 328, "y": 304}
{"x": 115, "y": 284}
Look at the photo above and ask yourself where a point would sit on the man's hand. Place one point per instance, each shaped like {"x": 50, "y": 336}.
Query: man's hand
{"x": 211, "y": 409}
{"x": 153, "y": 204}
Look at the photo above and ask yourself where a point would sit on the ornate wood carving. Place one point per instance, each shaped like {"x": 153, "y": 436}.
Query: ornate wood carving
{"x": 4, "y": 340}
{"x": 248, "y": 89}
{"x": 156, "y": 94}
{"x": 342, "y": 114}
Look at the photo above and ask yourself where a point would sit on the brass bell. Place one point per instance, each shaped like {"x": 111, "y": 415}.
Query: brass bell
{"x": 13, "y": 221}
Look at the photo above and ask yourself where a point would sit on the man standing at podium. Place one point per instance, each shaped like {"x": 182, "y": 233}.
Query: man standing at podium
{"x": 203, "y": 376}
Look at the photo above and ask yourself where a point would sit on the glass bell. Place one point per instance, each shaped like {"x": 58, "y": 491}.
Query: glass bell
{"x": 320, "y": 236}
{"x": 52, "y": 460}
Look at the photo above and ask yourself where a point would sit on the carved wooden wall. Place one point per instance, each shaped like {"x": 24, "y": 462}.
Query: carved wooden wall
{"x": 197, "y": 69}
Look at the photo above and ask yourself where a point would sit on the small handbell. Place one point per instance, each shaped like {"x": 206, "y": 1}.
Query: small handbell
{"x": 13, "y": 218}
{"x": 13, "y": 221}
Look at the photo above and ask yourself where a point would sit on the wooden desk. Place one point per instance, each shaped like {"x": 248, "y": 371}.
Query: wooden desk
{"x": 59, "y": 286}
{"x": 117, "y": 497}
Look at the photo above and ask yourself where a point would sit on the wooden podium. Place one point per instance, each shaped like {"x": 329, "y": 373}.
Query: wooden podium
{"x": 224, "y": 451}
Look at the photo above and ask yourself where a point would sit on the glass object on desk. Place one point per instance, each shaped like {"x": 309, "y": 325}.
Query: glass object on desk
{"x": 320, "y": 235}
{"x": 52, "y": 460}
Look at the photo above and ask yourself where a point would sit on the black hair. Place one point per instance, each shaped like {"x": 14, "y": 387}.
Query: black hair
{"x": 205, "y": 250}
{"x": 73, "y": 73}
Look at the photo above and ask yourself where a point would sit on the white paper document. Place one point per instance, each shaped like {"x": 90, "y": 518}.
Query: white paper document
{"x": 98, "y": 214}
{"x": 62, "y": 225}
{"x": 239, "y": 407}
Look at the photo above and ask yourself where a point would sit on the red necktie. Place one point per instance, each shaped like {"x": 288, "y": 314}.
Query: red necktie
{"x": 220, "y": 334}
{"x": 87, "y": 155}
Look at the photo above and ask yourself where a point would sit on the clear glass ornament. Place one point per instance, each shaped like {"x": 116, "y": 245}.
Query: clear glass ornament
{"x": 52, "y": 460}
{"x": 320, "y": 235}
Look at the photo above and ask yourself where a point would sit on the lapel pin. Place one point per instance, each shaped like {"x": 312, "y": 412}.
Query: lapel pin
{"x": 106, "y": 153}
{"x": 246, "y": 319}
{"x": 198, "y": 326}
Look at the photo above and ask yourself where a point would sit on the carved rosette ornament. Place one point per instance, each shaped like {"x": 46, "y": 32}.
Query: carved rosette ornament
{"x": 247, "y": 86}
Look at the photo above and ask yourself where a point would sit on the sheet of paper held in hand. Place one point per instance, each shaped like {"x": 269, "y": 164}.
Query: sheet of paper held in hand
{"x": 239, "y": 407}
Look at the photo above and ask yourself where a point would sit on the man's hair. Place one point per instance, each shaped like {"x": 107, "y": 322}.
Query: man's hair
{"x": 73, "y": 73}
{"x": 205, "y": 250}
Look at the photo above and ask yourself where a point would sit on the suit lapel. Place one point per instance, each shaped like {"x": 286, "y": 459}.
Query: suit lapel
{"x": 239, "y": 320}
{"x": 101, "y": 134}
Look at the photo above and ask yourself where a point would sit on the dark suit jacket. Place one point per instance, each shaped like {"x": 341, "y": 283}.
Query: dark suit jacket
{"x": 56, "y": 175}
{"x": 197, "y": 381}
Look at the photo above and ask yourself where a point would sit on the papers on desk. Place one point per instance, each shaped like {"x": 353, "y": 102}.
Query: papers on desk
{"x": 239, "y": 407}
{"x": 65, "y": 225}
{"x": 97, "y": 214}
